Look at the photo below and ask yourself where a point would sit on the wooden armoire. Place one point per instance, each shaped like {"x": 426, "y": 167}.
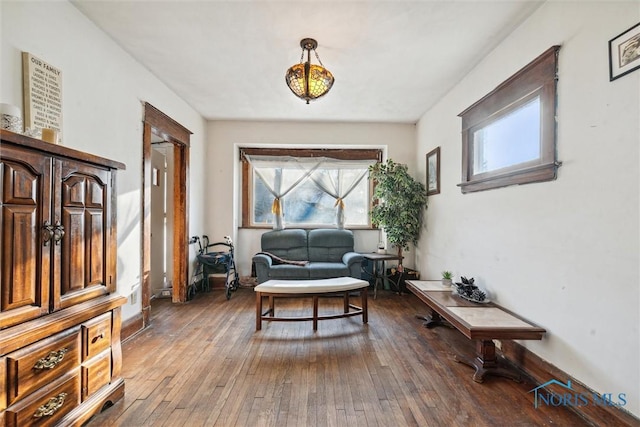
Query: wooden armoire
{"x": 60, "y": 351}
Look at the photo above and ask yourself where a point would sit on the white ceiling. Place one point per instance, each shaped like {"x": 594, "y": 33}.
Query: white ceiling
{"x": 392, "y": 60}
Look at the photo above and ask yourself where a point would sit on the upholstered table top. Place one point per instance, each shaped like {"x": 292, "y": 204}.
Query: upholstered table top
{"x": 316, "y": 286}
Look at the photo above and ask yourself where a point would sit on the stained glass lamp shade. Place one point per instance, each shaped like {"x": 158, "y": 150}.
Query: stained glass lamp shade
{"x": 308, "y": 81}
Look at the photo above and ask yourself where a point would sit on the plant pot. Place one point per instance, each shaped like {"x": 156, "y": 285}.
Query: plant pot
{"x": 447, "y": 282}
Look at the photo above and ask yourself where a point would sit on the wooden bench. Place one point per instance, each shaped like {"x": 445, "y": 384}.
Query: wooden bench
{"x": 313, "y": 289}
{"x": 480, "y": 322}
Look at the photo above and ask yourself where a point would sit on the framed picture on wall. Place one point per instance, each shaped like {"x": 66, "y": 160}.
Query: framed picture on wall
{"x": 433, "y": 172}
{"x": 624, "y": 53}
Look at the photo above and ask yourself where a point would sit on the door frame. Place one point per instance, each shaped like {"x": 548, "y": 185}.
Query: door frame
{"x": 156, "y": 122}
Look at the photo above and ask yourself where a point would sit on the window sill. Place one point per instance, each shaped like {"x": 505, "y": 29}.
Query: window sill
{"x": 540, "y": 173}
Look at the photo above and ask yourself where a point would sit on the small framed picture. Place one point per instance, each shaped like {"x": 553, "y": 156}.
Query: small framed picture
{"x": 433, "y": 172}
{"x": 624, "y": 53}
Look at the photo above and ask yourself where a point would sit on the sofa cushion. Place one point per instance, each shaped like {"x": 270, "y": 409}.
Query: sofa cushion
{"x": 286, "y": 244}
{"x": 286, "y": 271}
{"x": 329, "y": 245}
{"x": 323, "y": 270}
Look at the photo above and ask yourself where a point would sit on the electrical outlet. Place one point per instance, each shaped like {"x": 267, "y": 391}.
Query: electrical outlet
{"x": 133, "y": 297}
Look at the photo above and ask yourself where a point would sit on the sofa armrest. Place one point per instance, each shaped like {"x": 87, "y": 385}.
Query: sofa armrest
{"x": 351, "y": 258}
{"x": 263, "y": 264}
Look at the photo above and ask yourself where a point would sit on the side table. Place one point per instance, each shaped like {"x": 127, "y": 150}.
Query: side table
{"x": 378, "y": 262}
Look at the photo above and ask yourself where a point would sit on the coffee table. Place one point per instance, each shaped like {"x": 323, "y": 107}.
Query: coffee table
{"x": 313, "y": 289}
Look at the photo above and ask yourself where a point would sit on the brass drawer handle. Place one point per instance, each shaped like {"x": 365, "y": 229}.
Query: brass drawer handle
{"x": 51, "y": 407}
{"x": 50, "y": 360}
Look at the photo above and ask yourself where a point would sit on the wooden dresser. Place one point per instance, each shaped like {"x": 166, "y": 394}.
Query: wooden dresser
{"x": 60, "y": 352}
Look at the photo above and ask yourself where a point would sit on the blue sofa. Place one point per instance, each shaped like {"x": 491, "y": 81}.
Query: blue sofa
{"x": 298, "y": 254}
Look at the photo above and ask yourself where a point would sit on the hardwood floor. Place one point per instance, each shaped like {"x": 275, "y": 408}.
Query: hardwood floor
{"x": 202, "y": 364}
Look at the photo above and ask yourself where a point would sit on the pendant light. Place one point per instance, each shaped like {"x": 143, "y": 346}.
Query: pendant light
{"x": 308, "y": 81}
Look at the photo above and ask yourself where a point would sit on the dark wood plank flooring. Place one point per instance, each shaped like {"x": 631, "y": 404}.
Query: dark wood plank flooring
{"x": 203, "y": 364}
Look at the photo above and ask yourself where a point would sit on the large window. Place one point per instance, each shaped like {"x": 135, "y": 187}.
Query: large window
{"x": 306, "y": 187}
{"x": 509, "y": 136}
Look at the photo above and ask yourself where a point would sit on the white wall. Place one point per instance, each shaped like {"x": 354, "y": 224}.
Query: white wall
{"x": 103, "y": 89}
{"x": 224, "y": 168}
{"x": 564, "y": 254}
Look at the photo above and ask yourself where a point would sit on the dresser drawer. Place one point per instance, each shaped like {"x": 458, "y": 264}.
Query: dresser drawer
{"x": 47, "y": 406}
{"x": 34, "y": 366}
{"x": 96, "y": 336}
{"x": 96, "y": 373}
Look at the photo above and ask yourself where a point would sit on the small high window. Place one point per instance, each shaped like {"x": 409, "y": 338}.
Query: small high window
{"x": 509, "y": 136}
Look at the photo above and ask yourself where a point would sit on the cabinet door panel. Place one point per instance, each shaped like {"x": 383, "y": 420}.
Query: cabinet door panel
{"x": 95, "y": 265}
{"x": 25, "y": 180}
{"x": 85, "y": 216}
{"x": 73, "y": 249}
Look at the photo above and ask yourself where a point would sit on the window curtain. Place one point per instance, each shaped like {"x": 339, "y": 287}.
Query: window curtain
{"x": 270, "y": 170}
{"x": 339, "y": 181}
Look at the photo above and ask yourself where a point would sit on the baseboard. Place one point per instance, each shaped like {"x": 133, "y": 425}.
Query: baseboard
{"x": 542, "y": 371}
{"x": 131, "y": 326}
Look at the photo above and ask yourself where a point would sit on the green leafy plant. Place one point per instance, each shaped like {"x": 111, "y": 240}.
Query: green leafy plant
{"x": 399, "y": 202}
{"x": 447, "y": 275}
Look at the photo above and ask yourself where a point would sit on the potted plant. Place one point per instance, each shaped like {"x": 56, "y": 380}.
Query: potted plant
{"x": 446, "y": 278}
{"x": 399, "y": 202}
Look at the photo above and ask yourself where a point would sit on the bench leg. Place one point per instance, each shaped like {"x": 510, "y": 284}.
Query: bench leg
{"x": 486, "y": 363}
{"x": 258, "y": 311}
{"x": 346, "y": 302}
{"x": 433, "y": 321}
{"x": 315, "y": 313}
{"x": 365, "y": 313}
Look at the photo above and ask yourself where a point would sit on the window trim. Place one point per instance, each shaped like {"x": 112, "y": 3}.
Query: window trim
{"x": 336, "y": 153}
{"x": 539, "y": 77}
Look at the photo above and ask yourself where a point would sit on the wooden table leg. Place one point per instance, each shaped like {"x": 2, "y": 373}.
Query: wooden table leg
{"x": 315, "y": 313}
{"x": 486, "y": 362}
{"x": 346, "y": 302}
{"x": 258, "y": 311}
{"x": 365, "y": 309}
{"x": 433, "y": 321}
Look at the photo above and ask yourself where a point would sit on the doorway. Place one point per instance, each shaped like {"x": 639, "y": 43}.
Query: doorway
{"x": 172, "y": 141}
{"x": 162, "y": 212}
